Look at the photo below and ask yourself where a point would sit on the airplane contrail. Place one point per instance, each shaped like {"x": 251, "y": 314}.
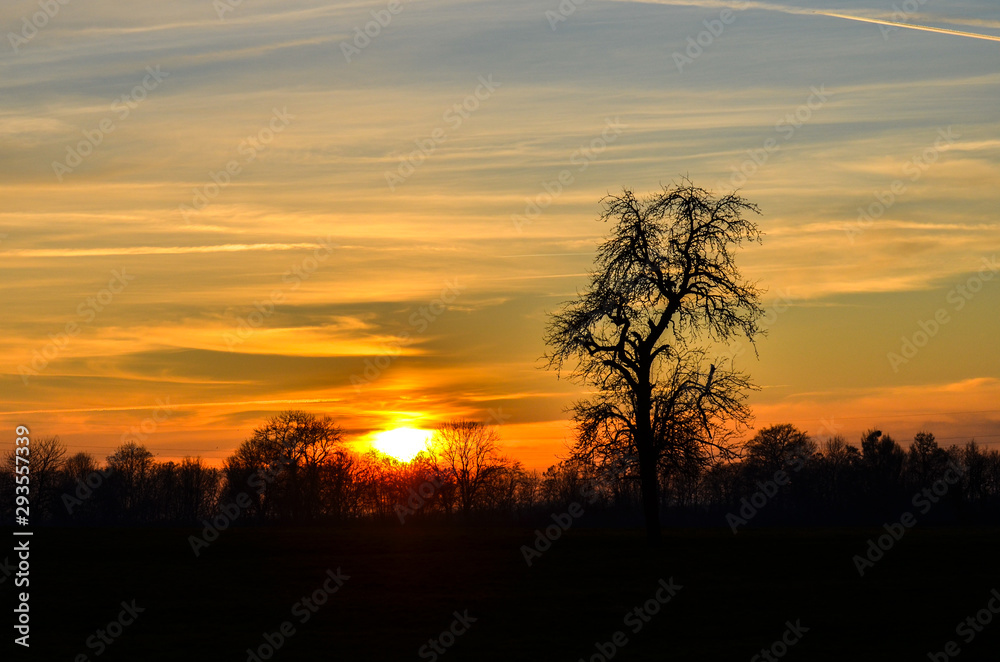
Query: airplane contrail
{"x": 911, "y": 26}
{"x": 740, "y": 5}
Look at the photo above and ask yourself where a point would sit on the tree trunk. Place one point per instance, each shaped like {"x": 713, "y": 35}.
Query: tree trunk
{"x": 647, "y": 470}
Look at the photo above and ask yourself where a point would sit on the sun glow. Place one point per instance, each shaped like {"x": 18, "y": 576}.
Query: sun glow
{"x": 402, "y": 443}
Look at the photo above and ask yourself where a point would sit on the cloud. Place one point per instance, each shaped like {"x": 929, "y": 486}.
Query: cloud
{"x": 148, "y": 250}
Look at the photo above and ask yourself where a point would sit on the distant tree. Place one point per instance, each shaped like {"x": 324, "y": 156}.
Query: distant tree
{"x": 839, "y": 454}
{"x": 508, "y": 490}
{"x": 840, "y": 461}
{"x": 779, "y": 447}
{"x": 566, "y": 482}
{"x": 280, "y": 466}
{"x": 80, "y": 465}
{"x": 340, "y": 488}
{"x": 990, "y": 477}
{"x": 132, "y": 466}
{"x": 882, "y": 455}
{"x": 925, "y": 460}
{"x": 882, "y": 461}
{"x": 665, "y": 280}
{"x": 976, "y": 478}
{"x": 200, "y": 486}
{"x": 186, "y": 492}
{"x": 81, "y": 500}
{"x": 529, "y": 490}
{"x": 467, "y": 453}
{"x": 46, "y": 457}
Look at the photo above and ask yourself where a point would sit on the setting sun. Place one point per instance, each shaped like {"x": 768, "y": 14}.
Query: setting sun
{"x": 402, "y": 443}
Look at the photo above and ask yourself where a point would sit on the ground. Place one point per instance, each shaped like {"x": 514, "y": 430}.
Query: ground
{"x": 737, "y": 594}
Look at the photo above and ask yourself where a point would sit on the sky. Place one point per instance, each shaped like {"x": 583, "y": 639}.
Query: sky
{"x": 216, "y": 211}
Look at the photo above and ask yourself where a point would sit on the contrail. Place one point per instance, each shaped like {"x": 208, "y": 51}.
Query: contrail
{"x": 740, "y": 5}
{"x": 911, "y": 26}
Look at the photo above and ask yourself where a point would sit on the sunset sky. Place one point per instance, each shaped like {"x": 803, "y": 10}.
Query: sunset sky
{"x": 218, "y": 212}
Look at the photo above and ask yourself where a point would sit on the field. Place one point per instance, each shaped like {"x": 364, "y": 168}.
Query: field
{"x": 406, "y": 583}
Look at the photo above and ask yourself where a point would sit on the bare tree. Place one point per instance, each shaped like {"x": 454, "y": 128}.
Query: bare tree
{"x": 665, "y": 280}
{"x": 80, "y": 465}
{"x": 282, "y": 463}
{"x": 196, "y": 490}
{"x": 925, "y": 460}
{"x": 47, "y": 456}
{"x": 778, "y": 447}
{"x": 133, "y": 467}
{"x": 882, "y": 460}
{"x": 468, "y": 454}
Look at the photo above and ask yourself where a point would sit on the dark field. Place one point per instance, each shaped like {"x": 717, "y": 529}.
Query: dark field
{"x": 406, "y": 582}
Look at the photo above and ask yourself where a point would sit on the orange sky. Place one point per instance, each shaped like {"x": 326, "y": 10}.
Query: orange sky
{"x": 259, "y": 224}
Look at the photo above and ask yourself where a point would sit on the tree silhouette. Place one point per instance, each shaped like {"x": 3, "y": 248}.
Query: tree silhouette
{"x": 47, "y": 457}
{"x": 467, "y": 453}
{"x": 282, "y": 463}
{"x": 925, "y": 460}
{"x": 132, "y": 466}
{"x": 836, "y": 481}
{"x": 779, "y": 447}
{"x": 883, "y": 461}
{"x": 665, "y": 280}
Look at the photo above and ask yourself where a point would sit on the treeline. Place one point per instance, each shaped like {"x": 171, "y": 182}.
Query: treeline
{"x": 296, "y": 468}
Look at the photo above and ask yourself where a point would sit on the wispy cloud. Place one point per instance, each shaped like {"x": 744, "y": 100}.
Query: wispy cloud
{"x": 149, "y": 250}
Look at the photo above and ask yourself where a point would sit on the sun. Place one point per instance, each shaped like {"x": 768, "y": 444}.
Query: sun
{"x": 402, "y": 443}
